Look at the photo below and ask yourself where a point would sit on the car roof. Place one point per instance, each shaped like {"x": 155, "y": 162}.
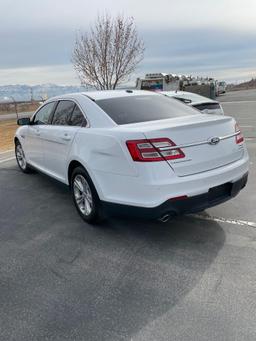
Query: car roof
{"x": 96, "y": 116}
{"x": 104, "y": 94}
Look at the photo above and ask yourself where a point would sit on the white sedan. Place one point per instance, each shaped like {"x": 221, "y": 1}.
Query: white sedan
{"x": 203, "y": 104}
{"x": 134, "y": 152}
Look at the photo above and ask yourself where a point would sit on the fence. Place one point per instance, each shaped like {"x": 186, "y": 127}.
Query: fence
{"x": 18, "y": 107}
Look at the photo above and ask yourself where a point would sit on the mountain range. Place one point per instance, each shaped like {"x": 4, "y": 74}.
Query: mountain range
{"x": 36, "y": 92}
{"x": 251, "y": 84}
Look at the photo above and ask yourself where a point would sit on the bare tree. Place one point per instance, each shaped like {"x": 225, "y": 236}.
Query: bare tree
{"x": 107, "y": 55}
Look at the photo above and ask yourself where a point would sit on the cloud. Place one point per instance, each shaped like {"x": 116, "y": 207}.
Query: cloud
{"x": 163, "y": 14}
{"x": 56, "y": 74}
{"x": 216, "y": 38}
{"x": 36, "y": 47}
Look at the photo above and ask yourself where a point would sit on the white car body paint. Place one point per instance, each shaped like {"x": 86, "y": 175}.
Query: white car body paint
{"x": 101, "y": 148}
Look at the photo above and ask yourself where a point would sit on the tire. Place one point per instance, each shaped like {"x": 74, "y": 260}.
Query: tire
{"x": 85, "y": 196}
{"x": 21, "y": 159}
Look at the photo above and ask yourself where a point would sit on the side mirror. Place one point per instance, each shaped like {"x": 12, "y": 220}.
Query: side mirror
{"x": 23, "y": 121}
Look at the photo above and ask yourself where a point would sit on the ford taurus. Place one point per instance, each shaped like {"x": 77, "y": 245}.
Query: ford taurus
{"x": 134, "y": 152}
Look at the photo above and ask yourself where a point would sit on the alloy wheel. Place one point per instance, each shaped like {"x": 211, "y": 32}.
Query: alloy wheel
{"x": 83, "y": 195}
{"x": 21, "y": 157}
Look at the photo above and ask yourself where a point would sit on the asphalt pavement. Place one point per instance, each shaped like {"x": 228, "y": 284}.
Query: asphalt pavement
{"x": 242, "y": 106}
{"x": 190, "y": 279}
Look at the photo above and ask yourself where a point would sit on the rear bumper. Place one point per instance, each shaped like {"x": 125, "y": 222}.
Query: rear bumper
{"x": 215, "y": 196}
{"x": 156, "y": 183}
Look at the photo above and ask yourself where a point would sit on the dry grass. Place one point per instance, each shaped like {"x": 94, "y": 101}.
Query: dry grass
{"x": 21, "y": 107}
{"x": 7, "y": 131}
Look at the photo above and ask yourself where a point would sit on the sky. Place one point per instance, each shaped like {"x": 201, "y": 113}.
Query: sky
{"x": 214, "y": 38}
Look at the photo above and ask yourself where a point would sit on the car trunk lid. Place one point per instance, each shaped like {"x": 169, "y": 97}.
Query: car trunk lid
{"x": 208, "y": 142}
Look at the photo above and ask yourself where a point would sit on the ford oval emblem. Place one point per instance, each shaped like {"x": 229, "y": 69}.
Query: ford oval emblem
{"x": 214, "y": 140}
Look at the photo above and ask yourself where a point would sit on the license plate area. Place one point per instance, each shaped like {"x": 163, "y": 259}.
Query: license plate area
{"x": 221, "y": 191}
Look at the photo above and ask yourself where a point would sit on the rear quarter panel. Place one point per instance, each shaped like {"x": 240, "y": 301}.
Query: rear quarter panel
{"x": 103, "y": 151}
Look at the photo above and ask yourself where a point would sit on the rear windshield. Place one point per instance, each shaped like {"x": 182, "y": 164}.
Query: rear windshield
{"x": 135, "y": 109}
{"x": 184, "y": 100}
{"x": 191, "y": 97}
{"x": 210, "y": 106}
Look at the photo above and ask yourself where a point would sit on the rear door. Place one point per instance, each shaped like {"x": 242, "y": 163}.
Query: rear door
{"x": 58, "y": 137}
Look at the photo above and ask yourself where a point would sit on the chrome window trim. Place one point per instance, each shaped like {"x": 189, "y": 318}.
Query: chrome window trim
{"x": 199, "y": 143}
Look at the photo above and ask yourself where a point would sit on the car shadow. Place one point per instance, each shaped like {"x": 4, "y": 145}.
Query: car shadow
{"x": 87, "y": 282}
{"x": 164, "y": 262}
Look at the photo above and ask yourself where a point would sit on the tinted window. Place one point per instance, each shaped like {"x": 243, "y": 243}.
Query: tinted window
{"x": 134, "y": 109}
{"x": 63, "y": 113}
{"x": 77, "y": 118}
{"x": 42, "y": 116}
{"x": 209, "y": 106}
{"x": 189, "y": 96}
{"x": 184, "y": 100}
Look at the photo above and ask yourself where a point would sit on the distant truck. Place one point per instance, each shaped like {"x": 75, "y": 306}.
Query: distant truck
{"x": 221, "y": 87}
{"x": 171, "y": 82}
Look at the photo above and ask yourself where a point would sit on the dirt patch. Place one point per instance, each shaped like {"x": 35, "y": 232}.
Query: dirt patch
{"x": 7, "y": 131}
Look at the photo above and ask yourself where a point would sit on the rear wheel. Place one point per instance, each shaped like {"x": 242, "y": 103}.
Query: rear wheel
{"x": 85, "y": 196}
{"x": 21, "y": 158}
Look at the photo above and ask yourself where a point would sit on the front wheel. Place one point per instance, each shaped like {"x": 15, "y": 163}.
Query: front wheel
{"x": 21, "y": 159}
{"x": 85, "y": 196}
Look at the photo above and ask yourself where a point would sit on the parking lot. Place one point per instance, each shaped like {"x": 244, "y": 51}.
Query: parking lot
{"x": 192, "y": 278}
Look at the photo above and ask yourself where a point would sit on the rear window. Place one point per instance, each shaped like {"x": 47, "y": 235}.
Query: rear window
{"x": 184, "y": 100}
{"x": 135, "y": 109}
{"x": 209, "y": 106}
{"x": 191, "y": 97}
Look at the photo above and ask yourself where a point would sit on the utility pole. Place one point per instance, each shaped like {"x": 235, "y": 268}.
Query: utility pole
{"x": 15, "y": 106}
{"x": 31, "y": 94}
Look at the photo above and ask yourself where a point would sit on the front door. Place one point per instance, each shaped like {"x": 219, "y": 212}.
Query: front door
{"x": 58, "y": 137}
{"x": 33, "y": 140}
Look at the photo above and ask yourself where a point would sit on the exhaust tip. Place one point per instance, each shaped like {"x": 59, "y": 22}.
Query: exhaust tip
{"x": 165, "y": 218}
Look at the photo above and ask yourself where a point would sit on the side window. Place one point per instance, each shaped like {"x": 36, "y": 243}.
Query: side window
{"x": 42, "y": 116}
{"x": 63, "y": 113}
{"x": 77, "y": 118}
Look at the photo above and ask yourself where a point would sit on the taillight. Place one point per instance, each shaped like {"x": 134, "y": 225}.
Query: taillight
{"x": 239, "y": 137}
{"x": 154, "y": 150}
